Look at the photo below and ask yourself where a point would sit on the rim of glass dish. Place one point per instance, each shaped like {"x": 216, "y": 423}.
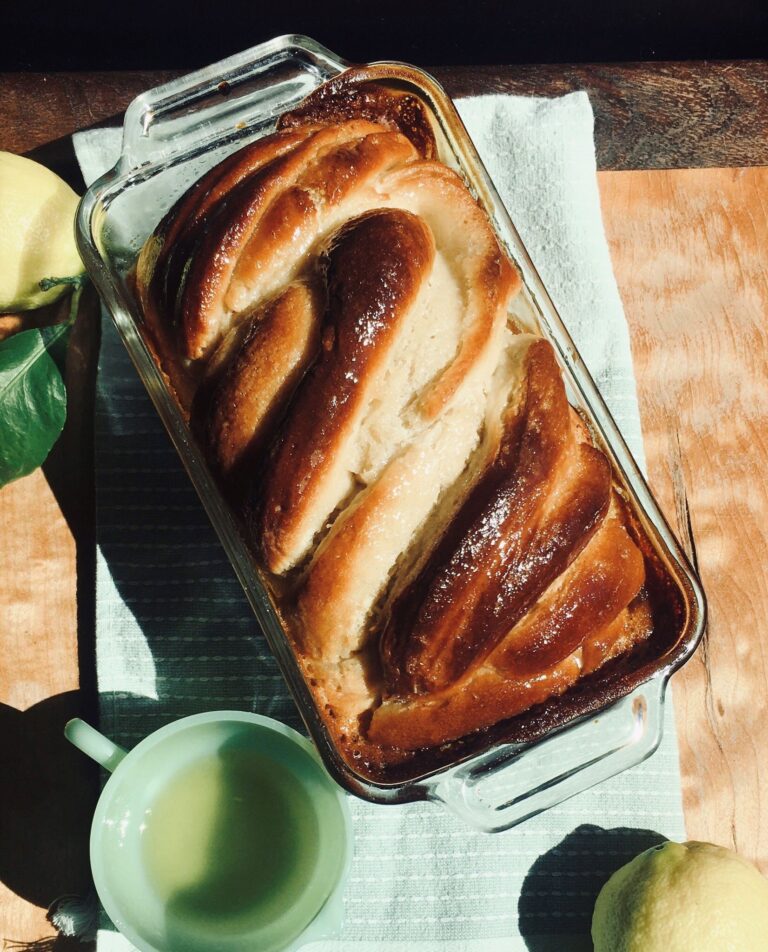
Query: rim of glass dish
{"x": 552, "y": 327}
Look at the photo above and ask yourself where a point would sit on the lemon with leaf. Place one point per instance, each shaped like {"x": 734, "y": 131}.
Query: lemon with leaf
{"x": 683, "y": 897}
{"x": 38, "y": 264}
{"x": 37, "y": 235}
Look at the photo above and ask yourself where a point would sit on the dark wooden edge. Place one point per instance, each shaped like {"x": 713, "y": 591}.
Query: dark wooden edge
{"x": 647, "y": 115}
{"x": 650, "y": 115}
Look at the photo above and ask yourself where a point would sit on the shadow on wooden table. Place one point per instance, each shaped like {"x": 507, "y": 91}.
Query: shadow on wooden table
{"x": 53, "y": 943}
{"x": 561, "y": 887}
{"x": 49, "y": 789}
{"x": 59, "y": 155}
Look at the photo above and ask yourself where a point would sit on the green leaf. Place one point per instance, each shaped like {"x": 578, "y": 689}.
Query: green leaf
{"x": 33, "y": 401}
{"x": 55, "y": 340}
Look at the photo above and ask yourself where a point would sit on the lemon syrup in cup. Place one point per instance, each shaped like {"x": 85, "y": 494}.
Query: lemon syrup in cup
{"x": 220, "y": 831}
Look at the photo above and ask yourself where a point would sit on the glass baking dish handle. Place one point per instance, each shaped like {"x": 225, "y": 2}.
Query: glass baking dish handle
{"x": 515, "y": 782}
{"x": 224, "y": 102}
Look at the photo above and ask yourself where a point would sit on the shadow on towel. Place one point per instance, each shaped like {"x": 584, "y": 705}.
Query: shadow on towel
{"x": 173, "y": 623}
{"x": 561, "y": 887}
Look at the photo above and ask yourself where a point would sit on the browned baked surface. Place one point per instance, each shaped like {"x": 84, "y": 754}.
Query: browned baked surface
{"x": 253, "y": 375}
{"x": 353, "y": 96}
{"x": 529, "y": 587}
{"x": 447, "y": 546}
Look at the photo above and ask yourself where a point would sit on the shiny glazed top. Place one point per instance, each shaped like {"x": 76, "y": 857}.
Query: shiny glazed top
{"x": 447, "y": 546}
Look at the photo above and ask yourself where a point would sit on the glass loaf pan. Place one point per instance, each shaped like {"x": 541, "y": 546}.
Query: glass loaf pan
{"x": 171, "y": 136}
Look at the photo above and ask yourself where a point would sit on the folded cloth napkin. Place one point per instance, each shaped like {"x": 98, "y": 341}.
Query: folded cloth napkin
{"x": 175, "y": 635}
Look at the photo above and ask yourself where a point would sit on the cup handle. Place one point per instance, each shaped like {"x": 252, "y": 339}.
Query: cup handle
{"x": 93, "y": 744}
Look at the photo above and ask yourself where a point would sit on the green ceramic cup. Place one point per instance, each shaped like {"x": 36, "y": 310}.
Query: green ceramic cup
{"x": 220, "y": 832}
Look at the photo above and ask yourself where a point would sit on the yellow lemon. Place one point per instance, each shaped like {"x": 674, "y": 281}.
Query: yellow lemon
{"x": 37, "y": 235}
{"x": 683, "y": 897}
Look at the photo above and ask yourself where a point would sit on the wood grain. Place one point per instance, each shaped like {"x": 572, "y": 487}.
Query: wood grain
{"x": 650, "y": 115}
{"x": 690, "y": 250}
{"x": 46, "y": 803}
{"x": 47, "y": 556}
{"x": 36, "y": 108}
{"x": 647, "y": 115}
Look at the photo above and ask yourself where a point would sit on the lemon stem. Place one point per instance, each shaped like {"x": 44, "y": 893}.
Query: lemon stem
{"x": 75, "y": 281}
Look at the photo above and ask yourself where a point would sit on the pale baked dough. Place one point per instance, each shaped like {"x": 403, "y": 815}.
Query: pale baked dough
{"x": 446, "y": 544}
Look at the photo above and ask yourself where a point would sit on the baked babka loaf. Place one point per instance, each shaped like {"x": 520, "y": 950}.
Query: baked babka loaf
{"x": 447, "y": 546}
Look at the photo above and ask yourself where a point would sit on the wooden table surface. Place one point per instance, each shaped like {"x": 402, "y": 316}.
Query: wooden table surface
{"x": 682, "y": 151}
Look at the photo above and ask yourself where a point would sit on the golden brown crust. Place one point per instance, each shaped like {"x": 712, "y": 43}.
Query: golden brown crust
{"x": 461, "y": 230}
{"x": 176, "y": 235}
{"x": 374, "y": 273}
{"x": 590, "y": 594}
{"x": 203, "y": 314}
{"x": 353, "y": 96}
{"x": 446, "y": 544}
{"x": 161, "y": 262}
{"x": 494, "y": 694}
{"x": 335, "y": 184}
{"x": 535, "y": 562}
{"x": 530, "y": 515}
{"x": 252, "y": 376}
